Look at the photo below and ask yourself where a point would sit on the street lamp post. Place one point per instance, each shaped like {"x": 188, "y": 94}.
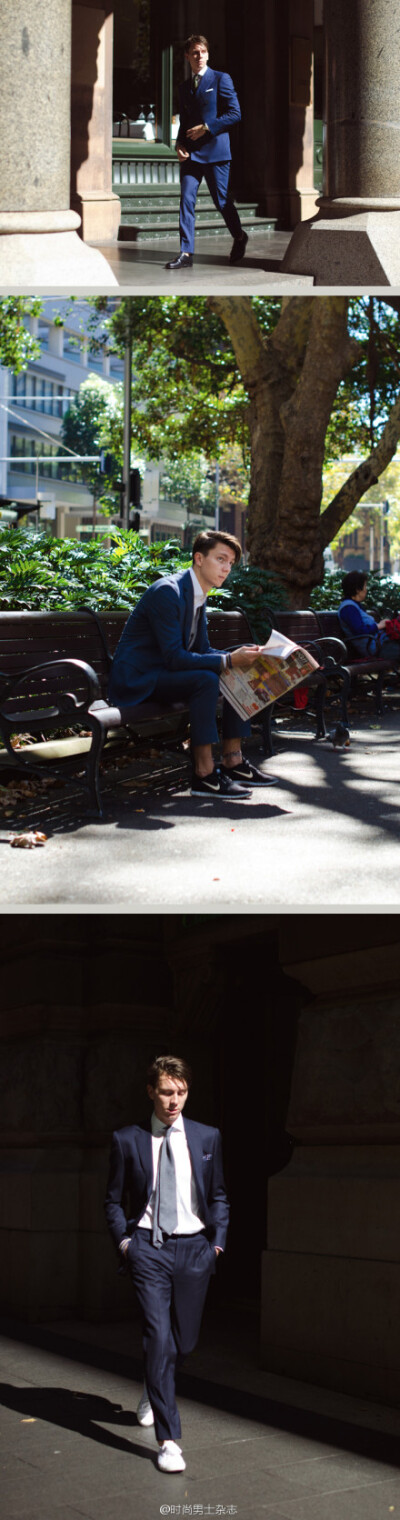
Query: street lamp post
{"x": 127, "y": 431}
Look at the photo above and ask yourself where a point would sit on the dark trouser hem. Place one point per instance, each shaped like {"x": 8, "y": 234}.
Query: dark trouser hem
{"x": 171, "y": 1285}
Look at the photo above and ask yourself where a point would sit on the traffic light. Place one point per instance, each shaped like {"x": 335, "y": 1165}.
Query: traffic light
{"x": 134, "y": 488}
{"x": 135, "y": 522}
{"x": 108, "y": 464}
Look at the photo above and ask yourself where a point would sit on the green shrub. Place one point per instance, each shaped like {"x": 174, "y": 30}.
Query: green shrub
{"x": 383, "y": 594}
{"x": 258, "y": 593}
{"x": 38, "y": 572}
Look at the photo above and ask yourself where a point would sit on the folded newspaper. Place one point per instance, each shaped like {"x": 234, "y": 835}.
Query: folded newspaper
{"x": 280, "y": 666}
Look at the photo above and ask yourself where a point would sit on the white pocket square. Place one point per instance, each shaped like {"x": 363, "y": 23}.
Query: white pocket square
{"x": 210, "y": 89}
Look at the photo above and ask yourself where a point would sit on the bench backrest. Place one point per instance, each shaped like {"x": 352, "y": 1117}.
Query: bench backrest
{"x": 330, "y": 625}
{"x": 300, "y": 626}
{"x": 28, "y": 639}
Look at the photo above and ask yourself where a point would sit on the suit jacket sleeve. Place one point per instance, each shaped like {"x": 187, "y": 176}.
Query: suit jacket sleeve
{"x": 113, "y": 1204}
{"x": 218, "y": 1205}
{"x": 183, "y": 123}
{"x": 230, "y": 112}
{"x": 163, "y": 614}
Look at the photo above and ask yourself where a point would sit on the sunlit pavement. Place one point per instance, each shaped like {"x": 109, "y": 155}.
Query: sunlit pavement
{"x": 71, "y": 1445}
{"x": 327, "y": 834}
{"x": 141, "y": 267}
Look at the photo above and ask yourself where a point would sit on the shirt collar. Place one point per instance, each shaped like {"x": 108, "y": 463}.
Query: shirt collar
{"x": 199, "y": 595}
{"x": 201, "y": 72}
{"x": 158, "y": 1128}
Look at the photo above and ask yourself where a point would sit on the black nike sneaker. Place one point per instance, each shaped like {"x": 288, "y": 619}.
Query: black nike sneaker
{"x": 248, "y": 775}
{"x": 220, "y": 786}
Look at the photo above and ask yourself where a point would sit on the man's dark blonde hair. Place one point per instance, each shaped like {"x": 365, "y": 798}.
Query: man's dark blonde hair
{"x": 169, "y": 1066}
{"x": 211, "y": 536}
{"x": 196, "y": 38}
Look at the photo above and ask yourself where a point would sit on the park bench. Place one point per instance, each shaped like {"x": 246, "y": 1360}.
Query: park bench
{"x": 54, "y": 670}
{"x": 327, "y": 646}
{"x": 373, "y": 668}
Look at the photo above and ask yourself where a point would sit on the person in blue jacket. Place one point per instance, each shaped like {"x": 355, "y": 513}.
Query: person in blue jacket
{"x": 164, "y": 654}
{"x": 367, "y": 636}
{"x": 209, "y": 107}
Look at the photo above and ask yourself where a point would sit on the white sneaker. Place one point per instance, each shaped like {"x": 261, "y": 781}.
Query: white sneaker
{"x": 144, "y": 1412}
{"x": 170, "y": 1458}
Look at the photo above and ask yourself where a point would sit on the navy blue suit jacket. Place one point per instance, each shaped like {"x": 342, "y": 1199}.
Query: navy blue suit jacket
{"x": 130, "y": 1180}
{"x": 156, "y": 639}
{"x": 214, "y": 102}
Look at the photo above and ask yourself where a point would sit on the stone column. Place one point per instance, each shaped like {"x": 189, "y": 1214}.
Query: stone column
{"x": 355, "y": 239}
{"x": 39, "y": 244}
{"x": 331, "y": 1274}
{"x": 79, "y": 1023}
{"x": 91, "y": 167}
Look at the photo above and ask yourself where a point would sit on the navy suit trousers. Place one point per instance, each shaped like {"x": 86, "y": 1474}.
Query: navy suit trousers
{"x": 171, "y": 1285}
{"x": 217, "y": 179}
{"x": 201, "y": 691}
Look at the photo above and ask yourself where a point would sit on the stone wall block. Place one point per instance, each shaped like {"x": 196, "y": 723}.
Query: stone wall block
{"x": 347, "y": 1068}
{"x": 333, "y": 1321}
{"x": 329, "y": 1203}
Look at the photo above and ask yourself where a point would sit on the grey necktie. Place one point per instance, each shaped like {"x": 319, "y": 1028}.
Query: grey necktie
{"x": 194, "y": 628}
{"x": 165, "y": 1204}
{"x": 196, "y": 82}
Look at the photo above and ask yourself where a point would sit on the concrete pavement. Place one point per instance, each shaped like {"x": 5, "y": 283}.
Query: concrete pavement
{"x": 71, "y": 1446}
{"x": 140, "y": 267}
{"x": 326, "y": 835}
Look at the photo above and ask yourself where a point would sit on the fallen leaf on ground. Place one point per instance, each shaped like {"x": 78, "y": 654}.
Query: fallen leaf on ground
{"x": 29, "y": 840}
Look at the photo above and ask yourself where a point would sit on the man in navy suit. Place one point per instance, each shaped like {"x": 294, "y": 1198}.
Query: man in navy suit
{"x": 164, "y": 652}
{"x": 209, "y": 107}
{"x": 170, "y": 1169}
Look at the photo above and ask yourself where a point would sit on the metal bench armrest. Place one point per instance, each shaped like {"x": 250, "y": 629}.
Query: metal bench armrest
{"x": 77, "y": 667}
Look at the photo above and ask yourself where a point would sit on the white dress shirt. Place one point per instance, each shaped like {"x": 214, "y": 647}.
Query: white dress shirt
{"x": 189, "y": 1221}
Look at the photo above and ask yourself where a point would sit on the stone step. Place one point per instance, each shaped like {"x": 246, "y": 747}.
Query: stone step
{"x": 154, "y": 216}
{"x": 138, "y": 231}
{"x": 152, "y": 205}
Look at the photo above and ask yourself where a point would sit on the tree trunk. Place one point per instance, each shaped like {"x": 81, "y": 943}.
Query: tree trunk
{"x": 269, "y": 369}
{"x": 292, "y": 378}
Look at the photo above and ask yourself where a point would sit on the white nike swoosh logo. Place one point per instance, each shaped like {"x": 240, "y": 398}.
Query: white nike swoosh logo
{"x": 211, "y": 786}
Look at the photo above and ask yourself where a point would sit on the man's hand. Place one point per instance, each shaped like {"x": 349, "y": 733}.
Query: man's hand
{"x": 194, "y": 132}
{"x": 218, "y": 1250}
{"x": 245, "y": 656}
{"x": 182, "y": 154}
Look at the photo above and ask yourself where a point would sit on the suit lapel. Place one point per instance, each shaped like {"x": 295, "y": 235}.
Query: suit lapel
{"x": 205, "y": 82}
{"x": 145, "y": 1153}
{"x": 188, "y": 600}
{"x": 195, "y": 1147}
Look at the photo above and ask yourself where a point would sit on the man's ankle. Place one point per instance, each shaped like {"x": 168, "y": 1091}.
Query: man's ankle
{"x": 231, "y": 758}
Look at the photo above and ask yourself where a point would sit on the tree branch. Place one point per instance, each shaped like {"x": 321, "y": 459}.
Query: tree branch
{"x": 361, "y": 479}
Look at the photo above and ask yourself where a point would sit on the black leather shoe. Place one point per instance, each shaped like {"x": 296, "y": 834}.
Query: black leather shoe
{"x": 238, "y": 249}
{"x": 182, "y": 261}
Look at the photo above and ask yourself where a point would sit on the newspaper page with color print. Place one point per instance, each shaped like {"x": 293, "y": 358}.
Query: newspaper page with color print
{"x": 280, "y": 666}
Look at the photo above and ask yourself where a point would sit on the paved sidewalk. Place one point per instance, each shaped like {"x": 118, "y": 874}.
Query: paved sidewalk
{"x": 72, "y": 1446}
{"x": 141, "y": 267}
{"x": 327, "y": 834}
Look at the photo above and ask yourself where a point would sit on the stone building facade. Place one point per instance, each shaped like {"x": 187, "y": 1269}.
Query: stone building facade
{"x": 56, "y": 115}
